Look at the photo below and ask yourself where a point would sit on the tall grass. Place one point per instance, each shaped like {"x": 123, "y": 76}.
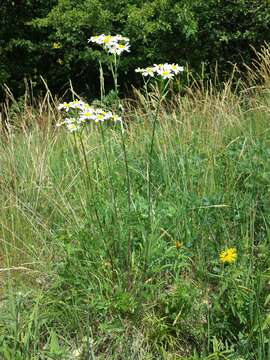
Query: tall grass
{"x": 85, "y": 274}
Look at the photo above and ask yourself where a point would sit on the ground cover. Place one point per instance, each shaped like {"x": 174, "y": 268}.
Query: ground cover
{"x": 112, "y": 240}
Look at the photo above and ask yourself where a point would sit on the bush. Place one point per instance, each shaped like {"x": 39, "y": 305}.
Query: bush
{"x": 160, "y": 30}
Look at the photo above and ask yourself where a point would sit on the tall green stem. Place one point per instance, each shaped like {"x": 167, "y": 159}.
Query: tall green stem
{"x": 114, "y": 70}
{"x": 91, "y": 191}
{"x": 115, "y": 73}
{"x": 162, "y": 94}
{"x": 101, "y": 81}
{"x": 110, "y": 173}
{"x": 128, "y": 196}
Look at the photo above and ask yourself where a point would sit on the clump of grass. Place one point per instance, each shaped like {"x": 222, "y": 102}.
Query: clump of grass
{"x": 85, "y": 274}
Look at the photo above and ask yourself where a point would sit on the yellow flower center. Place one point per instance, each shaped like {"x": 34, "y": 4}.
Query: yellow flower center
{"x": 107, "y": 39}
{"x": 165, "y": 72}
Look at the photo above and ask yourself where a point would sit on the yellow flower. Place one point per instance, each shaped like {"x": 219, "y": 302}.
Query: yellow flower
{"x": 178, "y": 245}
{"x": 228, "y": 256}
{"x": 56, "y": 45}
{"x": 60, "y": 61}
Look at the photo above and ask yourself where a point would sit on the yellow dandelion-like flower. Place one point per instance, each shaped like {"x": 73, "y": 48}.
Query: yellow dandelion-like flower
{"x": 178, "y": 245}
{"x": 228, "y": 256}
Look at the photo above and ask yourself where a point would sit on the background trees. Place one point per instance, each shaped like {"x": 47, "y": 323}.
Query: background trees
{"x": 160, "y": 30}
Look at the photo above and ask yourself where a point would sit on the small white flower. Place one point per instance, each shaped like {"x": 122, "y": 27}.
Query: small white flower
{"x": 176, "y": 68}
{"x": 149, "y": 71}
{"x": 100, "y": 118}
{"x": 97, "y": 39}
{"x": 66, "y": 106}
{"x": 72, "y": 125}
{"x": 121, "y": 38}
{"x": 83, "y": 114}
{"x": 77, "y": 104}
{"x": 88, "y": 114}
{"x": 166, "y": 71}
{"x": 108, "y": 116}
{"x": 118, "y": 48}
{"x": 157, "y": 67}
{"x": 112, "y": 44}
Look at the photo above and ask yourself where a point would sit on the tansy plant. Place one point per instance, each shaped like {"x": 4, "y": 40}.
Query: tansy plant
{"x": 166, "y": 72}
{"x": 78, "y": 116}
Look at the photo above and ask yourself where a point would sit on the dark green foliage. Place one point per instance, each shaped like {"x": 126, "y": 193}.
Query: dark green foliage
{"x": 22, "y": 49}
{"x": 160, "y": 30}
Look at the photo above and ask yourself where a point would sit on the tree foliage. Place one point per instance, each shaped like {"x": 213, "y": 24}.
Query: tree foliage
{"x": 192, "y": 31}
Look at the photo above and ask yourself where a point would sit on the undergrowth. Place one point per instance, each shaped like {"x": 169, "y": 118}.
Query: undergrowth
{"x": 89, "y": 272}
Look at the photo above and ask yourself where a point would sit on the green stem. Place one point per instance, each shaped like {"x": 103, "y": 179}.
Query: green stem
{"x": 115, "y": 74}
{"x": 128, "y": 197}
{"x": 110, "y": 172}
{"x": 89, "y": 185}
{"x": 114, "y": 70}
{"x": 101, "y": 81}
{"x": 162, "y": 94}
{"x": 89, "y": 182}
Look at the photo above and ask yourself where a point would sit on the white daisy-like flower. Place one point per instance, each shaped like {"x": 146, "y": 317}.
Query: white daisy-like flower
{"x": 82, "y": 114}
{"x": 66, "y": 106}
{"x": 88, "y": 114}
{"x": 149, "y": 71}
{"x": 77, "y": 104}
{"x": 72, "y": 124}
{"x": 109, "y": 40}
{"x": 97, "y": 39}
{"x": 108, "y": 115}
{"x": 112, "y": 44}
{"x": 176, "y": 68}
{"x": 100, "y": 118}
{"x": 166, "y": 71}
{"x": 157, "y": 67}
{"x": 121, "y": 38}
{"x": 119, "y": 48}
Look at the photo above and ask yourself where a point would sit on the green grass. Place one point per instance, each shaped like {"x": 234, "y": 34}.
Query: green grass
{"x": 90, "y": 261}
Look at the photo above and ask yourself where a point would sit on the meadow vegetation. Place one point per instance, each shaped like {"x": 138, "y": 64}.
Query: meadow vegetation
{"x": 112, "y": 239}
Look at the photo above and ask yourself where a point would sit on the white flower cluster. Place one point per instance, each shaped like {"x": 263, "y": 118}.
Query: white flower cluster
{"x": 81, "y": 114}
{"x": 166, "y": 71}
{"x": 112, "y": 44}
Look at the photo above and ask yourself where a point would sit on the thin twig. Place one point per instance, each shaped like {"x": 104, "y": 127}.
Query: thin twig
{"x": 17, "y": 268}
